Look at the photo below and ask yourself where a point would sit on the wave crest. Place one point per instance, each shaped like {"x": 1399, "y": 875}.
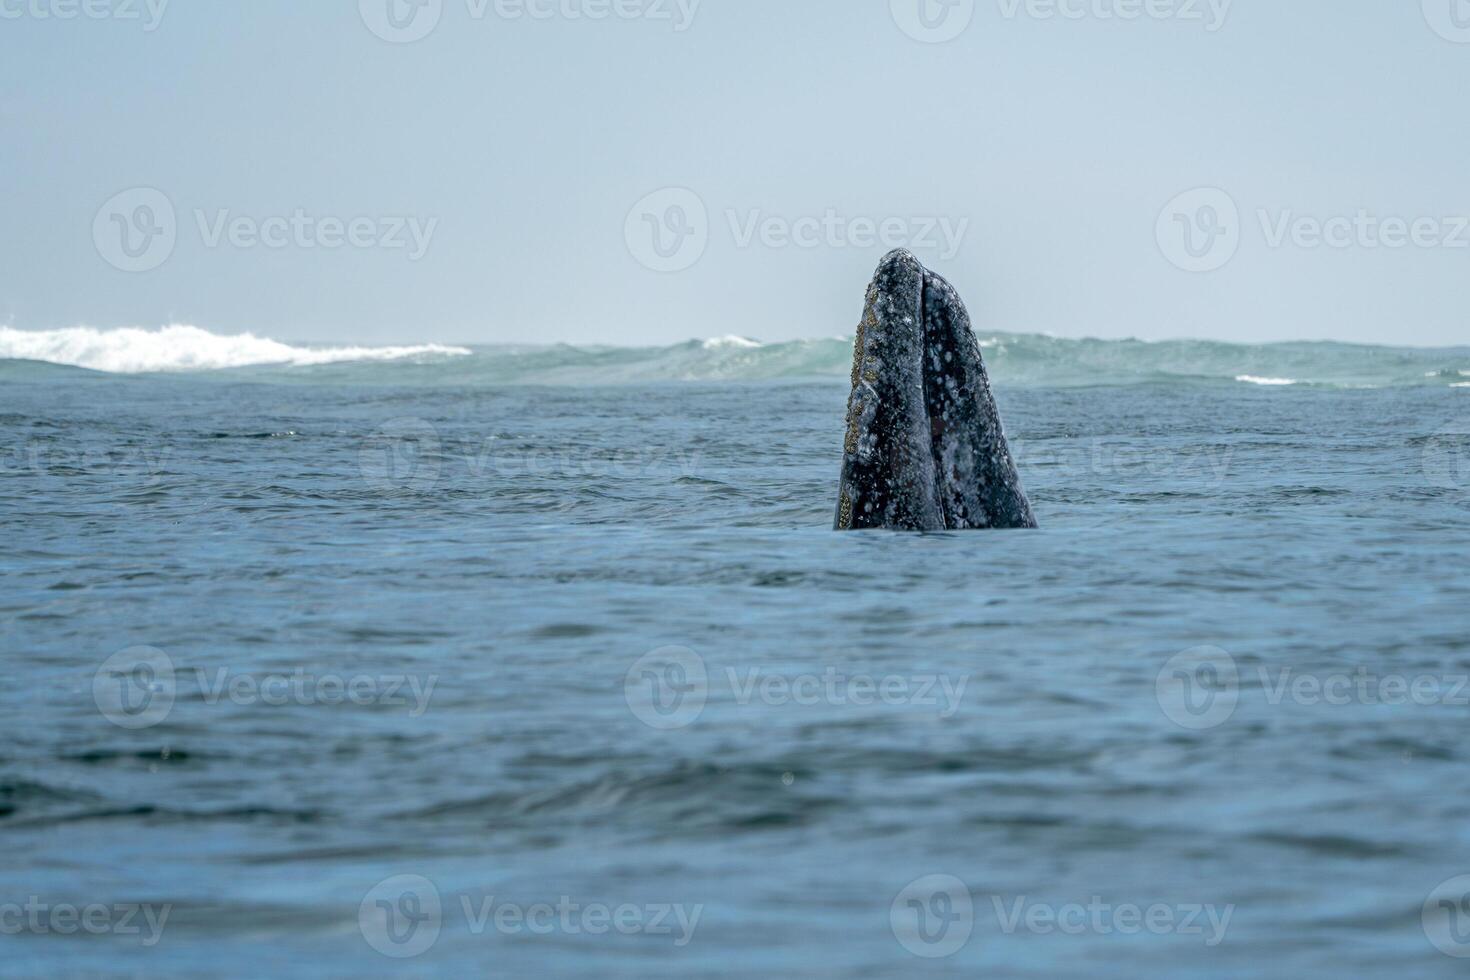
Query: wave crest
{"x": 133, "y": 350}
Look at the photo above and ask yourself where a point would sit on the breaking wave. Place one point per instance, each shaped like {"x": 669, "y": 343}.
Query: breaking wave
{"x": 131, "y": 350}
{"x": 1251, "y": 379}
{"x": 1013, "y": 359}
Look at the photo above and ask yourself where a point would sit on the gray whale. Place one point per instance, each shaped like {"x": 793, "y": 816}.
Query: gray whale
{"x": 924, "y": 449}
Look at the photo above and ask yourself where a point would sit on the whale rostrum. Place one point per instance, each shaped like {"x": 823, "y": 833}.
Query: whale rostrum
{"x": 924, "y": 449}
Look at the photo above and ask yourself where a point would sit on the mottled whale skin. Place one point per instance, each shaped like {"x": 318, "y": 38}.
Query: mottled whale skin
{"x": 924, "y": 449}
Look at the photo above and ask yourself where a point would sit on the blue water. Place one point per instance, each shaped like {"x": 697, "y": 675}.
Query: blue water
{"x": 514, "y": 552}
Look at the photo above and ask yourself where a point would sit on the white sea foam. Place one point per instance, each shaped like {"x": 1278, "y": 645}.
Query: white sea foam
{"x": 1461, "y": 384}
{"x": 129, "y": 350}
{"x": 1253, "y": 380}
{"x": 714, "y": 343}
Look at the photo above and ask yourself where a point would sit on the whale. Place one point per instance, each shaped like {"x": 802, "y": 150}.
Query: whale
{"x": 924, "y": 448}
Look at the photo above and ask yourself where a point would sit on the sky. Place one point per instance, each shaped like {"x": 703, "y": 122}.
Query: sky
{"x": 650, "y": 171}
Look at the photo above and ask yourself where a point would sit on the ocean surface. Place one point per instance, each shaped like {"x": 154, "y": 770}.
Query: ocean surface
{"x": 545, "y": 662}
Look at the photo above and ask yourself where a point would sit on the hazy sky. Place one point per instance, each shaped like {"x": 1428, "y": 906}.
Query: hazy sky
{"x": 303, "y": 170}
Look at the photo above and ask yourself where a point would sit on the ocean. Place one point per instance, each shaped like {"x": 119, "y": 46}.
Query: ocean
{"x": 545, "y": 661}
